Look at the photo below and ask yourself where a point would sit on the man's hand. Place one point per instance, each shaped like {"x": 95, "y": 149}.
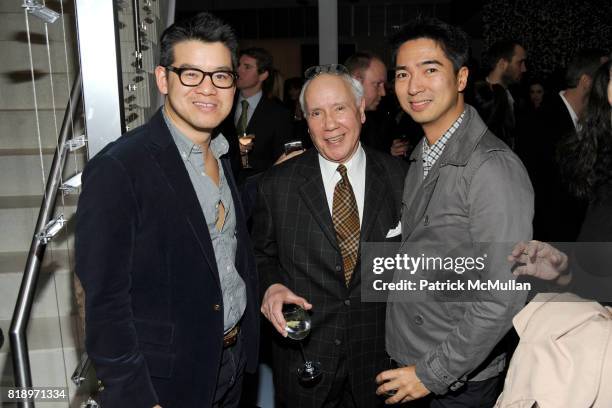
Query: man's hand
{"x": 399, "y": 147}
{"x": 284, "y": 157}
{"x": 272, "y": 305}
{"x": 540, "y": 260}
{"x": 405, "y": 381}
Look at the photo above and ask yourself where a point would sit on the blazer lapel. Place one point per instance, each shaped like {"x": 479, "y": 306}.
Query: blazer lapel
{"x": 167, "y": 156}
{"x": 374, "y": 190}
{"x": 313, "y": 194}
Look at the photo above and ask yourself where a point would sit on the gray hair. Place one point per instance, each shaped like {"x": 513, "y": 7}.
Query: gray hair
{"x": 353, "y": 83}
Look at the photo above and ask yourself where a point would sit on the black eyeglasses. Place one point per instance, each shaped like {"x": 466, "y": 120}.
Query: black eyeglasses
{"x": 193, "y": 77}
{"x": 334, "y": 69}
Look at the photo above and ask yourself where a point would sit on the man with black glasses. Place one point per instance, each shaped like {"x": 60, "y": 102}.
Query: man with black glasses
{"x": 162, "y": 247}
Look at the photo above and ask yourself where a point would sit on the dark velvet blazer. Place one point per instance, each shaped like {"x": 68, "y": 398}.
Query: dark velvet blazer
{"x": 154, "y": 308}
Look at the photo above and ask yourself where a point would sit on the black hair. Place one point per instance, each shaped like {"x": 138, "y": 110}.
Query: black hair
{"x": 203, "y": 27}
{"x": 587, "y": 155}
{"x": 503, "y": 49}
{"x": 453, "y": 40}
{"x": 359, "y": 62}
{"x": 265, "y": 62}
{"x": 585, "y": 61}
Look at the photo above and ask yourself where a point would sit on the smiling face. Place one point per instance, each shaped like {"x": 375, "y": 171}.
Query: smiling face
{"x": 427, "y": 87}
{"x": 196, "y": 111}
{"x": 333, "y": 116}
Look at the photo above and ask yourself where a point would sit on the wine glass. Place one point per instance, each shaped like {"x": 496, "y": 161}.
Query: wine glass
{"x": 297, "y": 327}
{"x": 246, "y": 140}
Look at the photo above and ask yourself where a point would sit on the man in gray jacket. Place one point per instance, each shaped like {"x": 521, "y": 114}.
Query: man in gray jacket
{"x": 464, "y": 187}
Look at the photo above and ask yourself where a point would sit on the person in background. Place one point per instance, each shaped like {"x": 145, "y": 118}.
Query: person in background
{"x": 255, "y": 114}
{"x": 559, "y": 122}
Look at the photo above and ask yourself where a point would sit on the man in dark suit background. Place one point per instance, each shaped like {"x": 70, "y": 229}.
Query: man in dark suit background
{"x": 559, "y": 121}
{"x": 162, "y": 248}
{"x": 312, "y": 213}
{"x": 255, "y": 113}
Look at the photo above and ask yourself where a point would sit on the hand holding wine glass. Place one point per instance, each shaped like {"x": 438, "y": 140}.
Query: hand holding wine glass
{"x": 274, "y": 299}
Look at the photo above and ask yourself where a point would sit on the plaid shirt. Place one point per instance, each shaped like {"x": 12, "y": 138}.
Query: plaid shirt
{"x": 432, "y": 153}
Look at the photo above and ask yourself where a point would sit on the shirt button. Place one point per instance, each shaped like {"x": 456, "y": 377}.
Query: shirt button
{"x": 426, "y": 220}
{"x": 418, "y": 320}
{"x": 216, "y": 307}
{"x": 337, "y": 342}
{"x": 229, "y": 268}
{"x": 347, "y": 302}
{"x": 338, "y": 268}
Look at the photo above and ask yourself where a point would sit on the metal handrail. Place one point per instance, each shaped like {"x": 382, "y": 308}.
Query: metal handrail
{"x": 136, "y": 16}
{"x": 25, "y": 299}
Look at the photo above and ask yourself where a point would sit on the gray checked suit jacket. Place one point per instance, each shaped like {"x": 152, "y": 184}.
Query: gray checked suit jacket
{"x": 477, "y": 192}
{"x": 295, "y": 244}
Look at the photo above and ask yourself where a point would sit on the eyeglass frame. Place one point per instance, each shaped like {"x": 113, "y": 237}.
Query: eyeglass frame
{"x": 178, "y": 71}
{"x": 333, "y": 69}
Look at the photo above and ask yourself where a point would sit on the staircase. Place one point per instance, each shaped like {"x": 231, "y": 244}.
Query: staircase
{"x": 26, "y": 151}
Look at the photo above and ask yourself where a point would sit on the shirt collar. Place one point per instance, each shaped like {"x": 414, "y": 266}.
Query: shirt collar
{"x": 570, "y": 109}
{"x": 328, "y": 168}
{"x": 253, "y": 99}
{"x": 218, "y": 145}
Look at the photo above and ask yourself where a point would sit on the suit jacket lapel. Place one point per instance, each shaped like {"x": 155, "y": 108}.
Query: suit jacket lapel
{"x": 257, "y": 115}
{"x": 169, "y": 160}
{"x": 374, "y": 190}
{"x": 313, "y": 194}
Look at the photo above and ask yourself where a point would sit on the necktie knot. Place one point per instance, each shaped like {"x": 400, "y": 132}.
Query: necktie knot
{"x": 342, "y": 170}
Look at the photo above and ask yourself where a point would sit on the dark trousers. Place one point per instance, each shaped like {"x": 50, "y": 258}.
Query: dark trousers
{"x": 340, "y": 393}
{"x": 474, "y": 394}
{"x": 231, "y": 371}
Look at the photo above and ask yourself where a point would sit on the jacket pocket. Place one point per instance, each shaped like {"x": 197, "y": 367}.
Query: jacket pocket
{"x": 160, "y": 365}
{"x": 153, "y": 332}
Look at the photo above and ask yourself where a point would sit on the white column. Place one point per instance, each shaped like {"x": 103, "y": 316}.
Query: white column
{"x": 102, "y": 84}
{"x": 328, "y": 31}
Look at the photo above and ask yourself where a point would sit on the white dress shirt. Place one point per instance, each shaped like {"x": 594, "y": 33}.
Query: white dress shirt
{"x": 356, "y": 171}
{"x": 570, "y": 109}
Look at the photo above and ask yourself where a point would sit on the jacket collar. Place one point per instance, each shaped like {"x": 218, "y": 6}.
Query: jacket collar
{"x": 463, "y": 142}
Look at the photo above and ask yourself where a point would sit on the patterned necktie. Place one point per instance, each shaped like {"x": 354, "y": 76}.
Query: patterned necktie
{"x": 346, "y": 223}
{"x": 242, "y": 122}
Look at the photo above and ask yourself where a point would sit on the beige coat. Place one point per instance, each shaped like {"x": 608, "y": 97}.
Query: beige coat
{"x": 564, "y": 357}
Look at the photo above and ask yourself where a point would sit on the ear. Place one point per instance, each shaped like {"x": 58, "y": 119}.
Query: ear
{"x": 362, "y": 111}
{"x": 263, "y": 76}
{"x": 585, "y": 81}
{"x": 501, "y": 65}
{"x": 462, "y": 78}
{"x": 161, "y": 79}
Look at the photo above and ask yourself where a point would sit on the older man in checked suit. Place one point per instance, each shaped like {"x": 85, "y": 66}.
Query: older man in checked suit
{"x": 312, "y": 214}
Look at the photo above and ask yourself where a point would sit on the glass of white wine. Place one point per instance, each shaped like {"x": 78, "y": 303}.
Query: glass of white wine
{"x": 298, "y": 327}
{"x": 246, "y": 140}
